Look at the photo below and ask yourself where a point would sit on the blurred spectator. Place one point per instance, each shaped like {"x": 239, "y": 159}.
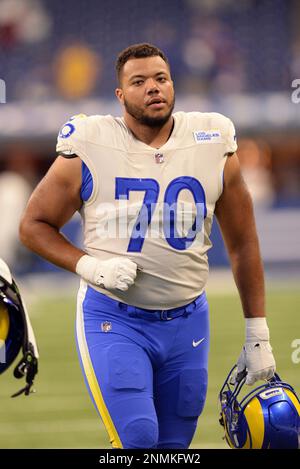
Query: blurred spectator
{"x": 214, "y": 46}
{"x": 15, "y": 189}
{"x": 23, "y": 21}
{"x": 76, "y": 70}
{"x": 212, "y": 56}
{"x": 255, "y": 159}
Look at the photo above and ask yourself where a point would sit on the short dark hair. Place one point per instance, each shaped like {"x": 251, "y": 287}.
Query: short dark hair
{"x": 138, "y": 51}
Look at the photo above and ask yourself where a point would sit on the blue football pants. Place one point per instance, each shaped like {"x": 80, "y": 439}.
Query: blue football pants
{"x": 146, "y": 373}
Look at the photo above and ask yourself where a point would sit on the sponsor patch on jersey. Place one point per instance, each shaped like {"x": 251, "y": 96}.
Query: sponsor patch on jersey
{"x": 208, "y": 136}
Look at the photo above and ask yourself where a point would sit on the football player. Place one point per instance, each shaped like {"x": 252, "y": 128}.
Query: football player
{"x": 147, "y": 186}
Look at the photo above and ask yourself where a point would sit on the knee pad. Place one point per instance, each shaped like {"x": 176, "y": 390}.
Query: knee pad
{"x": 192, "y": 392}
{"x": 140, "y": 433}
{"x": 132, "y": 406}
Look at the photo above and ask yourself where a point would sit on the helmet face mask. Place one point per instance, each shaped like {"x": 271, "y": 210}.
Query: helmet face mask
{"x": 16, "y": 332}
{"x": 267, "y": 417}
{"x": 12, "y": 336}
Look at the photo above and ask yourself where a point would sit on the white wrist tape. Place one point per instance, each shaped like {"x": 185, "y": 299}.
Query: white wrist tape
{"x": 257, "y": 330}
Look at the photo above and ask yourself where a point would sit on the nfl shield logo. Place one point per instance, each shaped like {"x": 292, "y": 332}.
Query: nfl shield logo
{"x": 159, "y": 158}
{"x": 106, "y": 326}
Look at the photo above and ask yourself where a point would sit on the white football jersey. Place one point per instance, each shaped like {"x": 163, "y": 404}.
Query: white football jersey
{"x": 154, "y": 206}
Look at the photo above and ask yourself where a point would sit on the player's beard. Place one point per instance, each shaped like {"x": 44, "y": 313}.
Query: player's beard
{"x": 144, "y": 119}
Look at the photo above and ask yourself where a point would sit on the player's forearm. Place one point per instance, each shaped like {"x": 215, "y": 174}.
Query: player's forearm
{"x": 46, "y": 241}
{"x": 248, "y": 273}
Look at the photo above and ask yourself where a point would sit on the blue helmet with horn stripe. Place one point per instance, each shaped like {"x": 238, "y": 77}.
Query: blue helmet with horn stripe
{"x": 267, "y": 417}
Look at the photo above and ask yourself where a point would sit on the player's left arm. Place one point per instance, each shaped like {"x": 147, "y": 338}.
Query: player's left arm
{"x": 234, "y": 212}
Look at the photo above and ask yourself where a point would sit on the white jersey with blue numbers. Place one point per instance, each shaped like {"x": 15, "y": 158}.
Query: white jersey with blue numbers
{"x": 154, "y": 206}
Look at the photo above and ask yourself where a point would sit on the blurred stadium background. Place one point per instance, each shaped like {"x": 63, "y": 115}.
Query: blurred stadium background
{"x": 57, "y": 60}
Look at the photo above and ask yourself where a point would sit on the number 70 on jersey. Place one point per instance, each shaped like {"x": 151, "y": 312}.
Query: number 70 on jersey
{"x": 151, "y": 189}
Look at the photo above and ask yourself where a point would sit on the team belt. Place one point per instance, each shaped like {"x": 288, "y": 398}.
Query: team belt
{"x": 163, "y": 314}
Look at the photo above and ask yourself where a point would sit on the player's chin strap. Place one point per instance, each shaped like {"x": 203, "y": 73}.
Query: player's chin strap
{"x": 28, "y": 365}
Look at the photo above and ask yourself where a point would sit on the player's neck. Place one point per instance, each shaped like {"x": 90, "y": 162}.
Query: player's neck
{"x": 152, "y": 136}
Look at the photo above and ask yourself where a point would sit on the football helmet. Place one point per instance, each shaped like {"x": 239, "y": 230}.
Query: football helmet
{"x": 16, "y": 332}
{"x": 267, "y": 417}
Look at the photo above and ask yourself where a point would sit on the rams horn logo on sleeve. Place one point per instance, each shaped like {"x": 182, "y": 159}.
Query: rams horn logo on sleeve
{"x": 67, "y": 130}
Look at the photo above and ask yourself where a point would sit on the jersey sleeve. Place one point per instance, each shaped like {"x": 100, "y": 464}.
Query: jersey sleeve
{"x": 230, "y": 138}
{"x": 71, "y": 139}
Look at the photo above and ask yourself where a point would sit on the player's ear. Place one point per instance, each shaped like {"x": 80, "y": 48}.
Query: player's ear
{"x": 119, "y": 94}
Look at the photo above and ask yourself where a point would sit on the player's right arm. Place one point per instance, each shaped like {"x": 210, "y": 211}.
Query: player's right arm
{"x": 52, "y": 204}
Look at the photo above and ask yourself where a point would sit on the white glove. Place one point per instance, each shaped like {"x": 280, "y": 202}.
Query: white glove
{"x": 256, "y": 357}
{"x": 118, "y": 272}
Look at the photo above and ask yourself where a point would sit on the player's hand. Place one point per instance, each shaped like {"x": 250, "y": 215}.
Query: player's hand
{"x": 116, "y": 273}
{"x": 256, "y": 358}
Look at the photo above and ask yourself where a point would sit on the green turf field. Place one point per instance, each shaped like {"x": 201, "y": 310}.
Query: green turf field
{"x": 61, "y": 415}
